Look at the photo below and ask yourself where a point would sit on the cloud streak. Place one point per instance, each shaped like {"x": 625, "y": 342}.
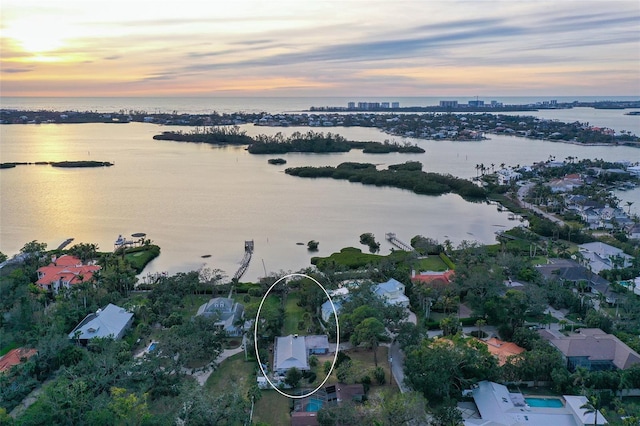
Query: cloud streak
{"x": 404, "y": 46}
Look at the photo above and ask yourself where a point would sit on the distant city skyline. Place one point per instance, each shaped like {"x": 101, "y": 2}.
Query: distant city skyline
{"x": 320, "y": 48}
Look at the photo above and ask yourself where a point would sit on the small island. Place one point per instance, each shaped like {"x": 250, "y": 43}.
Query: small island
{"x": 277, "y": 161}
{"x": 66, "y": 164}
{"x": 309, "y": 142}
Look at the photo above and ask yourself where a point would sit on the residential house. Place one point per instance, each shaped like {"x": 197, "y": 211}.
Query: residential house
{"x": 290, "y": 351}
{"x": 499, "y": 407}
{"x": 571, "y": 271}
{"x": 64, "y": 271}
{"x": 305, "y": 409}
{"x": 566, "y": 184}
{"x": 337, "y": 297}
{"x": 634, "y": 170}
{"x": 15, "y": 357}
{"x": 111, "y": 322}
{"x": 634, "y": 231}
{"x": 506, "y": 176}
{"x": 317, "y": 344}
{"x": 593, "y": 349}
{"x": 601, "y": 256}
{"x": 293, "y": 351}
{"x": 392, "y": 292}
{"x": 433, "y": 278}
{"x": 502, "y": 350}
{"x": 229, "y": 314}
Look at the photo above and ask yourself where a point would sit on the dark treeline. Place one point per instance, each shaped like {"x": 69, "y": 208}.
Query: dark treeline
{"x": 215, "y": 135}
{"x": 406, "y": 176}
{"x": 69, "y": 164}
{"x": 279, "y": 144}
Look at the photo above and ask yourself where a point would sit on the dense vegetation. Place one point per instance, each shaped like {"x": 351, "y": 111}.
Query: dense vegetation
{"x": 278, "y": 144}
{"x": 215, "y": 135}
{"x": 406, "y": 176}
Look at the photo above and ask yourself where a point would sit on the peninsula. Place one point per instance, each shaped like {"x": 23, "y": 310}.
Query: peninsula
{"x": 467, "y": 125}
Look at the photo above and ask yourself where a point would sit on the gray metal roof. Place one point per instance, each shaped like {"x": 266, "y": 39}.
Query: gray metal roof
{"x": 108, "y": 322}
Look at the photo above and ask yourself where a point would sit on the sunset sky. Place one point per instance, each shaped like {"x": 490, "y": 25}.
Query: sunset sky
{"x": 319, "y": 48}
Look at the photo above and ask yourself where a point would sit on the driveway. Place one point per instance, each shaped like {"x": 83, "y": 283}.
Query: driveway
{"x": 396, "y": 360}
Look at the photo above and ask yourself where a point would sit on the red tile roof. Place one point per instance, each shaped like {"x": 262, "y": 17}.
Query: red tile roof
{"x": 68, "y": 269}
{"x": 502, "y": 350}
{"x": 15, "y": 357}
{"x": 434, "y": 277}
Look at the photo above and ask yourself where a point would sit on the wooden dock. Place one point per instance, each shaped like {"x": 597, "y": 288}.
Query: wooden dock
{"x": 391, "y": 237}
{"x": 244, "y": 263}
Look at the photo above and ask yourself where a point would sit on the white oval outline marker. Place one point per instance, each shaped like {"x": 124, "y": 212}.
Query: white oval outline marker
{"x": 255, "y": 337}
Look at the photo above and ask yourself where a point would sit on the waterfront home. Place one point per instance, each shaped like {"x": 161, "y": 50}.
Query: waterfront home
{"x": 64, "y": 271}
{"x": 392, "y": 292}
{"x": 437, "y": 279}
{"x": 111, "y": 322}
{"x": 593, "y": 349}
{"x": 506, "y": 176}
{"x": 499, "y": 407}
{"x": 229, "y": 314}
{"x": 338, "y": 296}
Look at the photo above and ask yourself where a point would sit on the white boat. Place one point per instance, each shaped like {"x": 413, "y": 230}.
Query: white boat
{"x": 120, "y": 241}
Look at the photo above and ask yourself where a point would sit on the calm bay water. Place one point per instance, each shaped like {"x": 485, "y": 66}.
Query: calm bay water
{"x": 196, "y": 200}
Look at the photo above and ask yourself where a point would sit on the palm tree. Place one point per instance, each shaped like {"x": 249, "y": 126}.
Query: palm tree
{"x": 629, "y": 203}
{"x": 591, "y": 406}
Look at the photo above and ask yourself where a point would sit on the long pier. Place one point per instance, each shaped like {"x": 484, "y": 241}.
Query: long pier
{"x": 244, "y": 263}
{"x": 391, "y": 237}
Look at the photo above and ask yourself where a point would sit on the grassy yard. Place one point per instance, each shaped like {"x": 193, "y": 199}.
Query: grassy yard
{"x": 431, "y": 263}
{"x": 272, "y": 409}
{"x": 191, "y": 304}
{"x": 293, "y": 315}
{"x": 363, "y": 360}
{"x": 232, "y": 370}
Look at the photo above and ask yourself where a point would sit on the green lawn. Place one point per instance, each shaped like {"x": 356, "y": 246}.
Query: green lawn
{"x": 191, "y": 304}
{"x": 232, "y": 370}
{"x": 272, "y": 409}
{"x": 293, "y": 315}
{"x": 431, "y": 263}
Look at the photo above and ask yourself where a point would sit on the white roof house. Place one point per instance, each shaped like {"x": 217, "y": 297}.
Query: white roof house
{"x": 507, "y": 175}
{"x": 602, "y": 256}
{"x": 110, "y": 322}
{"x": 499, "y": 407}
{"x": 393, "y": 292}
{"x": 290, "y": 351}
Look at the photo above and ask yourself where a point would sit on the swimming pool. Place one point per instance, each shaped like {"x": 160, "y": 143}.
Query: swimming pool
{"x": 544, "y": 402}
{"x": 152, "y": 346}
{"x": 314, "y": 405}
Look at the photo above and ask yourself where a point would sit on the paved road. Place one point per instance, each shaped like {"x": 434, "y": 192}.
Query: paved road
{"x": 522, "y": 192}
{"x": 396, "y": 359}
